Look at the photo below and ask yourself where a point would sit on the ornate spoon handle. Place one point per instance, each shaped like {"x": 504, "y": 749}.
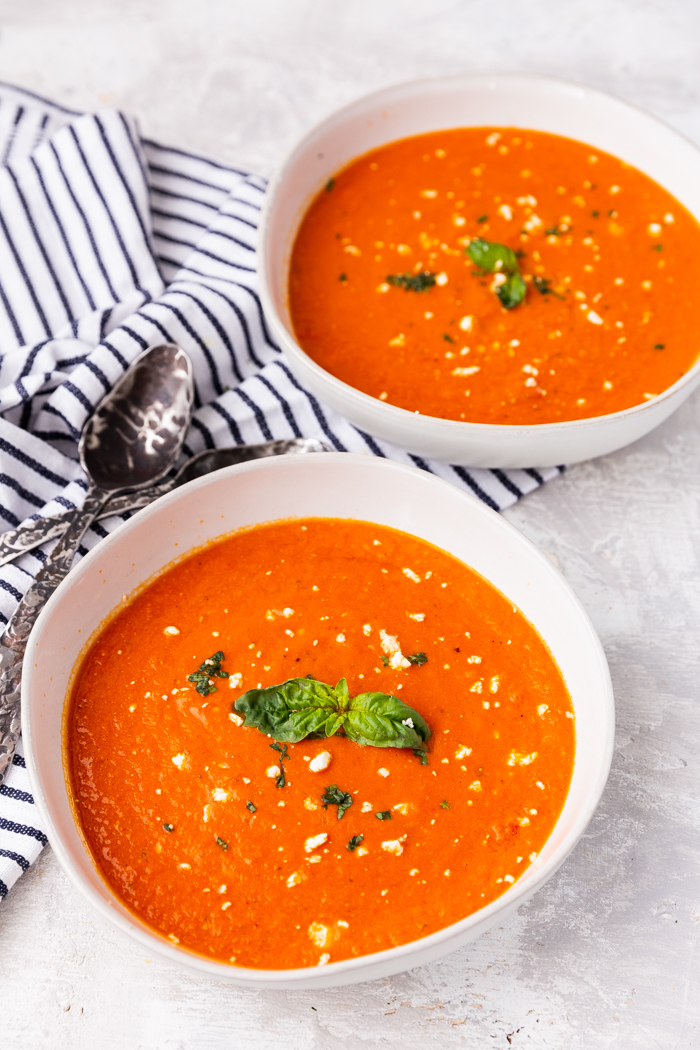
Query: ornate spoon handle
{"x": 14, "y": 640}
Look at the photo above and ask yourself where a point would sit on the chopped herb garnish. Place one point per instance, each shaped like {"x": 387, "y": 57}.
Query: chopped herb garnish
{"x": 499, "y": 259}
{"x": 412, "y": 282}
{"x": 447, "y": 338}
{"x": 343, "y": 277}
{"x": 612, "y": 213}
{"x": 354, "y": 842}
{"x": 168, "y": 827}
{"x": 657, "y": 247}
{"x": 333, "y": 796}
{"x": 299, "y": 707}
{"x": 554, "y": 231}
{"x": 659, "y": 346}
{"x": 444, "y": 804}
{"x": 384, "y": 659}
{"x": 220, "y": 842}
{"x": 202, "y": 677}
{"x": 418, "y": 659}
{"x": 544, "y": 286}
{"x": 482, "y": 218}
{"x": 251, "y": 806}
{"x": 384, "y": 814}
{"x": 421, "y": 754}
{"x": 281, "y": 779}
{"x": 329, "y": 185}
{"x": 595, "y": 214}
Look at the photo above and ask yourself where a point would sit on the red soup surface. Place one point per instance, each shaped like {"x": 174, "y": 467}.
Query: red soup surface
{"x": 185, "y": 811}
{"x": 610, "y": 261}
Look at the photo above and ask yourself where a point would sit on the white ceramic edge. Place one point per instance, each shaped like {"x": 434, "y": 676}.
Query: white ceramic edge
{"x": 367, "y": 967}
{"x": 473, "y": 444}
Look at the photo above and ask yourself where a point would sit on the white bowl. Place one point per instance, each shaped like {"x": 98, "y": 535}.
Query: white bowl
{"x": 336, "y": 485}
{"x": 509, "y": 100}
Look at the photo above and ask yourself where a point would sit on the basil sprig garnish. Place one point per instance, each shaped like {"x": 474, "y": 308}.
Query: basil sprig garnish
{"x": 412, "y": 282}
{"x": 202, "y": 677}
{"x": 498, "y": 258}
{"x": 301, "y": 707}
{"x": 333, "y": 796}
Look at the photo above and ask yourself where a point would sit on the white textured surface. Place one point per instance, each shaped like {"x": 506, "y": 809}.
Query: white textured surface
{"x": 606, "y": 956}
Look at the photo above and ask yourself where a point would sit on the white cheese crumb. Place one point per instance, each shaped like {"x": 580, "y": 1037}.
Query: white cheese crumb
{"x": 288, "y": 611}
{"x": 506, "y": 211}
{"x": 173, "y": 938}
{"x": 235, "y": 680}
{"x": 179, "y": 760}
{"x": 383, "y": 772}
{"x": 225, "y": 905}
{"x": 569, "y": 714}
{"x": 473, "y": 659}
{"x": 476, "y": 688}
{"x": 290, "y": 633}
{"x": 533, "y": 856}
{"x": 441, "y": 279}
{"x": 539, "y": 784}
{"x": 419, "y": 617}
{"x": 310, "y": 804}
{"x": 316, "y": 859}
{"x": 475, "y": 785}
{"x": 462, "y": 752}
{"x": 132, "y": 708}
{"x": 413, "y": 871}
{"x": 220, "y": 795}
{"x": 315, "y": 841}
{"x": 508, "y": 878}
{"x": 340, "y": 637}
{"x": 668, "y": 217}
{"x": 393, "y": 846}
{"x": 205, "y": 814}
{"x": 237, "y": 719}
{"x": 654, "y": 229}
{"x": 594, "y": 318}
{"x": 541, "y": 709}
{"x": 531, "y": 382}
{"x": 184, "y": 866}
{"x": 447, "y": 871}
{"x": 324, "y": 959}
{"x": 272, "y": 772}
{"x": 366, "y": 807}
{"x": 467, "y": 323}
{"x": 361, "y": 851}
{"x": 367, "y": 630}
{"x": 294, "y": 879}
{"x": 517, "y": 757}
{"x": 494, "y": 684}
{"x": 411, "y": 575}
{"x": 392, "y": 648}
{"x": 401, "y": 807}
{"x": 320, "y": 762}
{"x": 171, "y": 630}
{"x": 466, "y": 371}
{"x": 245, "y": 780}
{"x": 523, "y": 821}
{"x": 533, "y": 223}
{"x": 318, "y": 934}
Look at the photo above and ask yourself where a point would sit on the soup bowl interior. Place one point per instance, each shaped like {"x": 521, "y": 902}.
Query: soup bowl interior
{"x": 520, "y": 101}
{"x": 336, "y": 486}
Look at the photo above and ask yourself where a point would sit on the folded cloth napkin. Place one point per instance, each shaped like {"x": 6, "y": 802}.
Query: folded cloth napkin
{"x": 110, "y": 243}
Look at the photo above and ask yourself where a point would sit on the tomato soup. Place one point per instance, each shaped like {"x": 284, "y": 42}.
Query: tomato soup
{"x": 237, "y": 847}
{"x": 609, "y": 262}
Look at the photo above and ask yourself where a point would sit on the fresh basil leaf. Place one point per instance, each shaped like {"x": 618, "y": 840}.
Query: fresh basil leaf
{"x": 333, "y": 796}
{"x": 251, "y": 806}
{"x": 418, "y": 659}
{"x": 220, "y": 842}
{"x": 421, "y": 753}
{"x": 207, "y": 670}
{"x": 384, "y": 814}
{"x": 512, "y": 292}
{"x": 290, "y": 711}
{"x": 355, "y": 842}
{"x": 168, "y": 827}
{"x": 280, "y": 780}
{"x": 384, "y": 659}
{"x": 412, "y": 282}
{"x": 382, "y": 720}
{"x": 492, "y": 257}
{"x": 445, "y": 804}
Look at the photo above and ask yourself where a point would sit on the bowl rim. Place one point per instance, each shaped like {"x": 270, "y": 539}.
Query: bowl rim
{"x": 342, "y": 971}
{"x": 366, "y": 401}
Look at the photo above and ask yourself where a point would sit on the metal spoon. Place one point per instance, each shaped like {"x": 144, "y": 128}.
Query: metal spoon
{"x": 33, "y": 533}
{"x": 131, "y": 440}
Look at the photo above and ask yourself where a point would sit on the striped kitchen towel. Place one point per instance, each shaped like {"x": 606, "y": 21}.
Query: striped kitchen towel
{"x": 110, "y": 243}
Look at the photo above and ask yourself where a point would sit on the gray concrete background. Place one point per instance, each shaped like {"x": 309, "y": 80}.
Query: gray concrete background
{"x": 607, "y": 954}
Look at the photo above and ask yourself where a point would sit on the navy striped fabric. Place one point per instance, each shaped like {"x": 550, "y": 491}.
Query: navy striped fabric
{"x": 110, "y": 243}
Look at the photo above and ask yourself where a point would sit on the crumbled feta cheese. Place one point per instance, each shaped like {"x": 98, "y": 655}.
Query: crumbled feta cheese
{"x": 383, "y": 772}
{"x": 237, "y": 719}
{"x": 393, "y": 846}
{"x": 654, "y": 229}
{"x": 471, "y": 371}
{"x": 319, "y": 934}
{"x": 467, "y": 323}
{"x": 352, "y": 249}
{"x": 462, "y": 752}
{"x": 401, "y": 807}
{"x": 171, "y": 630}
{"x": 392, "y": 648}
{"x": 521, "y": 759}
{"x": 541, "y": 709}
{"x": 272, "y": 772}
{"x": 475, "y": 785}
{"x": 441, "y": 279}
{"x": 340, "y": 637}
{"x": 205, "y": 814}
{"x": 220, "y": 795}
{"x": 533, "y": 223}
{"x": 533, "y": 856}
{"x": 413, "y": 871}
{"x": 294, "y": 879}
{"x": 508, "y": 878}
{"x": 523, "y": 821}
{"x": 315, "y": 841}
{"x": 320, "y": 762}
{"x": 366, "y": 807}
{"x": 367, "y": 630}
{"x": 539, "y": 784}
{"x": 506, "y": 211}
{"x": 225, "y": 905}
{"x": 429, "y": 194}
{"x": 473, "y": 659}
{"x": 310, "y": 804}
{"x": 594, "y": 318}
{"x": 668, "y": 218}
{"x": 411, "y": 575}
{"x": 361, "y": 851}
{"x": 179, "y": 760}
{"x": 419, "y": 617}
{"x": 477, "y": 687}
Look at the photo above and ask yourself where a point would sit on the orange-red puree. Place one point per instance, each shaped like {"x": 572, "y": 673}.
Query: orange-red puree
{"x": 179, "y": 805}
{"x": 610, "y": 259}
